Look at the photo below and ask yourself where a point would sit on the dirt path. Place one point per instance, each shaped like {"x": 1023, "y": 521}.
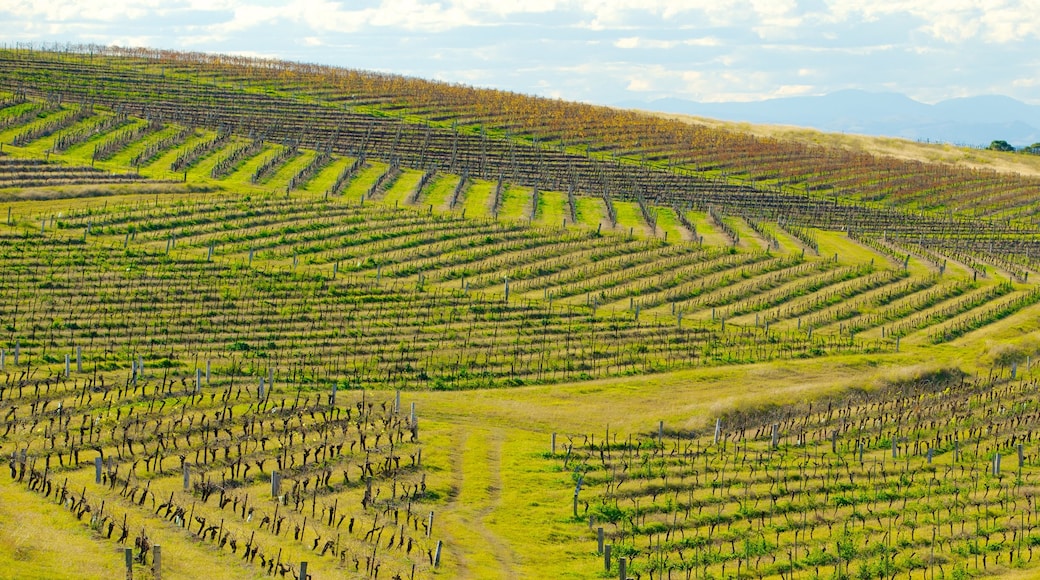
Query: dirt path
{"x": 475, "y": 494}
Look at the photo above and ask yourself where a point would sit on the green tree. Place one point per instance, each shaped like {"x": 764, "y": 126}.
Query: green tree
{"x": 1000, "y": 145}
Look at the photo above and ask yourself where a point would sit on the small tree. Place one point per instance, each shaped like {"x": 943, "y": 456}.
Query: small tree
{"x": 1033, "y": 149}
{"x": 1000, "y": 145}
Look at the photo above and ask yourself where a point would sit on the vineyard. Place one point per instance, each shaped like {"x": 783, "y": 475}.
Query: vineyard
{"x": 238, "y": 466}
{"x": 934, "y": 478}
{"x": 226, "y": 279}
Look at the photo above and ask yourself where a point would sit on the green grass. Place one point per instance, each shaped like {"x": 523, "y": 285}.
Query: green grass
{"x": 402, "y": 188}
{"x": 476, "y": 200}
{"x": 552, "y": 209}
{"x": 591, "y": 213}
{"x": 670, "y": 227}
{"x": 160, "y": 168}
{"x": 326, "y": 178}
{"x": 707, "y": 230}
{"x": 40, "y": 540}
{"x": 363, "y": 181}
{"x": 290, "y": 169}
{"x": 438, "y": 192}
{"x": 516, "y": 203}
{"x": 630, "y": 219}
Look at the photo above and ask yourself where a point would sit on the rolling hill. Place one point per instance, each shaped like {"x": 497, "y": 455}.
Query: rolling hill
{"x": 263, "y": 313}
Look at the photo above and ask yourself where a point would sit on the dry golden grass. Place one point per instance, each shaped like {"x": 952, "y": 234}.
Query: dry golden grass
{"x": 39, "y": 539}
{"x": 884, "y": 146}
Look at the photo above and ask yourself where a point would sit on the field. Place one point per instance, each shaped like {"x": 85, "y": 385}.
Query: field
{"x": 386, "y": 330}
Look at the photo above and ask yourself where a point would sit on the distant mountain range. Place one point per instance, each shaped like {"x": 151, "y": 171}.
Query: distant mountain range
{"x": 972, "y": 121}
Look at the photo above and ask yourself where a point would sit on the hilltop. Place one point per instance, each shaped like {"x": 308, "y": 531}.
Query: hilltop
{"x": 901, "y": 149}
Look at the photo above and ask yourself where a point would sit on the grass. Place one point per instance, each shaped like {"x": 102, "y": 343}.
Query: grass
{"x": 290, "y": 169}
{"x": 669, "y": 226}
{"x": 516, "y": 203}
{"x": 706, "y": 229}
{"x": 885, "y": 146}
{"x": 630, "y": 219}
{"x": 326, "y": 178}
{"x": 476, "y": 200}
{"x": 402, "y": 188}
{"x": 590, "y": 211}
{"x": 438, "y": 193}
{"x": 552, "y": 209}
{"x": 40, "y": 540}
{"x": 364, "y": 179}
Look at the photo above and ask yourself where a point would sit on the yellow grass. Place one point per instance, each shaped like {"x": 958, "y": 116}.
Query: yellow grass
{"x": 884, "y": 146}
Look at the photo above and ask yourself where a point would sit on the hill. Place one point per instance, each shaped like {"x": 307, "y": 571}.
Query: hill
{"x": 260, "y": 313}
{"x": 902, "y": 149}
{"x": 968, "y": 121}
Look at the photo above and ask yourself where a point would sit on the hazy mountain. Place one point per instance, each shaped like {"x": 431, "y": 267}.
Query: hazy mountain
{"x": 965, "y": 121}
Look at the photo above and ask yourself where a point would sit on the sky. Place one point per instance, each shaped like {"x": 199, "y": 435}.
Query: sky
{"x": 598, "y": 51}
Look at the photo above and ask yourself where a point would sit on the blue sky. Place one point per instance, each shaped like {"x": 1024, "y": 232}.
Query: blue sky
{"x": 600, "y": 51}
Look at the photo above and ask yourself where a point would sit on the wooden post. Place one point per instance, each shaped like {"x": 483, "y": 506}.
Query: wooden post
{"x": 198, "y": 381}
{"x": 413, "y": 412}
{"x": 303, "y": 570}
{"x": 397, "y": 402}
{"x": 429, "y": 526}
{"x": 834, "y": 441}
{"x": 157, "y": 562}
{"x": 622, "y": 566}
{"x": 930, "y": 451}
{"x": 996, "y": 464}
{"x": 437, "y": 555}
{"x": 276, "y": 483}
{"x": 606, "y": 557}
{"x": 187, "y": 477}
{"x": 207, "y": 371}
{"x": 776, "y": 435}
{"x": 67, "y": 365}
{"x": 128, "y": 556}
{"x": 599, "y": 540}
{"x": 97, "y": 469}
{"x": 718, "y": 429}
{"x": 553, "y": 444}
{"x": 79, "y": 359}
{"x": 895, "y": 446}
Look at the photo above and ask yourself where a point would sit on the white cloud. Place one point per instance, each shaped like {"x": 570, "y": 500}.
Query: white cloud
{"x": 951, "y": 21}
{"x": 704, "y": 49}
{"x": 650, "y": 43}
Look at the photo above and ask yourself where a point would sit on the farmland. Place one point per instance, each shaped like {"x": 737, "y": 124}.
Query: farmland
{"x": 262, "y": 313}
